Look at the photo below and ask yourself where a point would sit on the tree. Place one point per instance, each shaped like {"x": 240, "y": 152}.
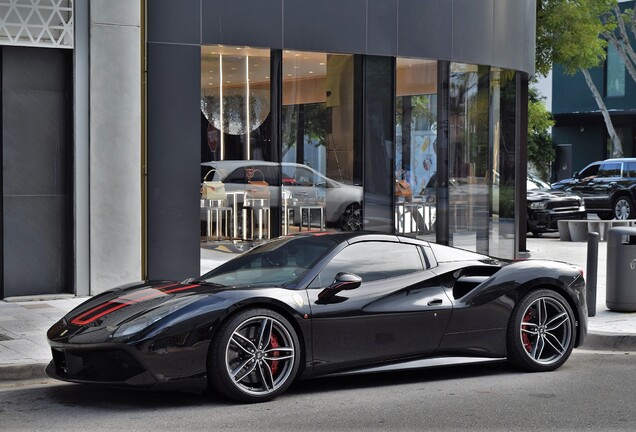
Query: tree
{"x": 623, "y": 21}
{"x": 572, "y": 33}
{"x": 541, "y": 152}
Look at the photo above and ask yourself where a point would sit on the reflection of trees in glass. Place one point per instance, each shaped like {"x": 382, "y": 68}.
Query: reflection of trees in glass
{"x": 305, "y": 123}
{"x": 470, "y": 102}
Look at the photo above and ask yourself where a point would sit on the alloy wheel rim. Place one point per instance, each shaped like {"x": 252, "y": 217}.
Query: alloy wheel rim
{"x": 259, "y": 355}
{"x": 546, "y": 331}
{"x": 353, "y": 220}
{"x": 621, "y": 210}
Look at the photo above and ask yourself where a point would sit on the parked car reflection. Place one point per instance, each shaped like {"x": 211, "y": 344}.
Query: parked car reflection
{"x": 302, "y": 186}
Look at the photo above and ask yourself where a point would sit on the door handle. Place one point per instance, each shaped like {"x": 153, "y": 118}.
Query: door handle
{"x": 435, "y": 302}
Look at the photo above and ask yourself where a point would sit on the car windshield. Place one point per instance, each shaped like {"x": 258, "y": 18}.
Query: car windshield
{"x": 282, "y": 263}
{"x": 535, "y": 183}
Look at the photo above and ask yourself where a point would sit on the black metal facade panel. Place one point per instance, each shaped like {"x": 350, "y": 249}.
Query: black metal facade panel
{"x": 425, "y": 29}
{"x": 382, "y": 36}
{"x": 174, "y": 21}
{"x": 243, "y": 22}
{"x": 507, "y": 38}
{"x": 174, "y": 156}
{"x": 35, "y": 105}
{"x": 487, "y": 32}
{"x": 329, "y": 25}
{"x": 473, "y": 35}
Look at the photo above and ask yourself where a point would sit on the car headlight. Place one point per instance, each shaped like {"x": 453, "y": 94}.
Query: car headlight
{"x": 150, "y": 317}
{"x": 540, "y": 205}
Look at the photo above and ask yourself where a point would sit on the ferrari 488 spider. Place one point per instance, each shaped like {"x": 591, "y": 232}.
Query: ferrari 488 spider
{"x": 317, "y": 304}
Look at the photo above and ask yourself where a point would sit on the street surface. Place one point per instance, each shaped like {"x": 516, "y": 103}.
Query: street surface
{"x": 594, "y": 391}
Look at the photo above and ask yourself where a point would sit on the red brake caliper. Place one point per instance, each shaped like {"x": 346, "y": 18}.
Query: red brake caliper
{"x": 273, "y": 340}
{"x": 524, "y": 336}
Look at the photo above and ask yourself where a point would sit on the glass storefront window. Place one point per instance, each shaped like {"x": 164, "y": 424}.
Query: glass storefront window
{"x": 503, "y": 186}
{"x": 318, "y": 159}
{"x": 482, "y": 149}
{"x": 416, "y": 148}
{"x": 470, "y": 172}
{"x": 239, "y": 188}
{"x": 615, "y": 73}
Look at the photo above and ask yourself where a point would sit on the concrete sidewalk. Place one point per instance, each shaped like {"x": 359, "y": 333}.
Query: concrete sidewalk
{"x": 24, "y": 351}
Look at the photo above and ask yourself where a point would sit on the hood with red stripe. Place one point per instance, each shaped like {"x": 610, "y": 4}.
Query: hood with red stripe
{"x": 122, "y": 311}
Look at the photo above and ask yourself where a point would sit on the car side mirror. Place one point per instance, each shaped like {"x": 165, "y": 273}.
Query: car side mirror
{"x": 575, "y": 175}
{"x": 342, "y": 282}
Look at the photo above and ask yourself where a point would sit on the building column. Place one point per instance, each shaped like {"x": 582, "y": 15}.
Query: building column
{"x": 115, "y": 143}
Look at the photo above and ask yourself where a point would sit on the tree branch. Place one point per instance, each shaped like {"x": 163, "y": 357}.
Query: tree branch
{"x": 626, "y": 46}
{"x": 617, "y": 147}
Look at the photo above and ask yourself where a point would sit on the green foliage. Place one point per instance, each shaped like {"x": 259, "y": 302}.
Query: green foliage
{"x": 569, "y": 33}
{"x": 541, "y": 152}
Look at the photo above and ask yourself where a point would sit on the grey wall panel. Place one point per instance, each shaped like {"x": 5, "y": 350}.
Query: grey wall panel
{"x": 529, "y": 36}
{"x": 424, "y": 29}
{"x": 241, "y": 22}
{"x": 473, "y": 31}
{"x": 36, "y": 147}
{"x": 23, "y": 69}
{"x": 33, "y": 154}
{"x": 174, "y": 21}
{"x": 118, "y": 12}
{"x": 509, "y": 38}
{"x": 174, "y": 158}
{"x": 35, "y": 261}
{"x": 328, "y": 25}
{"x": 382, "y": 27}
{"x": 35, "y": 257}
{"x": 115, "y": 155}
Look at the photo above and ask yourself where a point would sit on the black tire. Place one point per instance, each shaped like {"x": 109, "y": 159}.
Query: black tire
{"x": 537, "y": 233}
{"x": 623, "y": 208}
{"x": 254, "y": 357}
{"x": 351, "y": 218}
{"x": 541, "y": 332}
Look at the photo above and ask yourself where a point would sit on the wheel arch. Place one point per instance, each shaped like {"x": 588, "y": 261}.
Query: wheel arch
{"x": 273, "y": 305}
{"x": 560, "y": 289}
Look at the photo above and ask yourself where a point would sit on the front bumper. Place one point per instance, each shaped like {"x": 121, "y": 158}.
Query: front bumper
{"x": 547, "y": 220}
{"x": 121, "y": 365}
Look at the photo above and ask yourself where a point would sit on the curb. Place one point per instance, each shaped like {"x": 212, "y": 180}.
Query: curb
{"x": 23, "y": 371}
{"x": 604, "y": 341}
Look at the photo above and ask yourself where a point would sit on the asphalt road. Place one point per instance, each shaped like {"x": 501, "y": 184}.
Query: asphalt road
{"x": 592, "y": 391}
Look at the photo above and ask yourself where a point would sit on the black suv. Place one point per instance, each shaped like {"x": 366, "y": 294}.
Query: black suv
{"x": 612, "y": 192}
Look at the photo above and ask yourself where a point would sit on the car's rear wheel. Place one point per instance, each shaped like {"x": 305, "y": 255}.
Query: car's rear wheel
{"x": 351, "y": 219}
{"x": 254, "y": 357}
{"x": 540, "y": 332}
{"x": 624, "y": 208}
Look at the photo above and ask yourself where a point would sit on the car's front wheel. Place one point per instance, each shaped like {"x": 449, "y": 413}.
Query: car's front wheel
{"x": 254, "y": 357}
{"x": 541, "y": 332}
{"x": 624, "y": 208}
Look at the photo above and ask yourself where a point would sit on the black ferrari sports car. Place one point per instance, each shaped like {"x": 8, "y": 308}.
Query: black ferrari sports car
{"x": 315, "y": 304}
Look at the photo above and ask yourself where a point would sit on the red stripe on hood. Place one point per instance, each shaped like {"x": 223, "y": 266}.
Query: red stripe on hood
{"x": 105, "y": 308}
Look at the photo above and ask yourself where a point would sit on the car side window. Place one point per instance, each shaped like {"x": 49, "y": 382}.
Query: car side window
{"x": 610, "y": 170}
{"x": 589, "y": 171}
{"x": 630, "y": 170}
{"x": 373, "y": 261}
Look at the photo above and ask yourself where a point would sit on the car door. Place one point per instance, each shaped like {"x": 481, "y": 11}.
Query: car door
{"x": 398, "y": 311}
{"x": 594, "y": 189}
{"x": 602, "y": 187}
